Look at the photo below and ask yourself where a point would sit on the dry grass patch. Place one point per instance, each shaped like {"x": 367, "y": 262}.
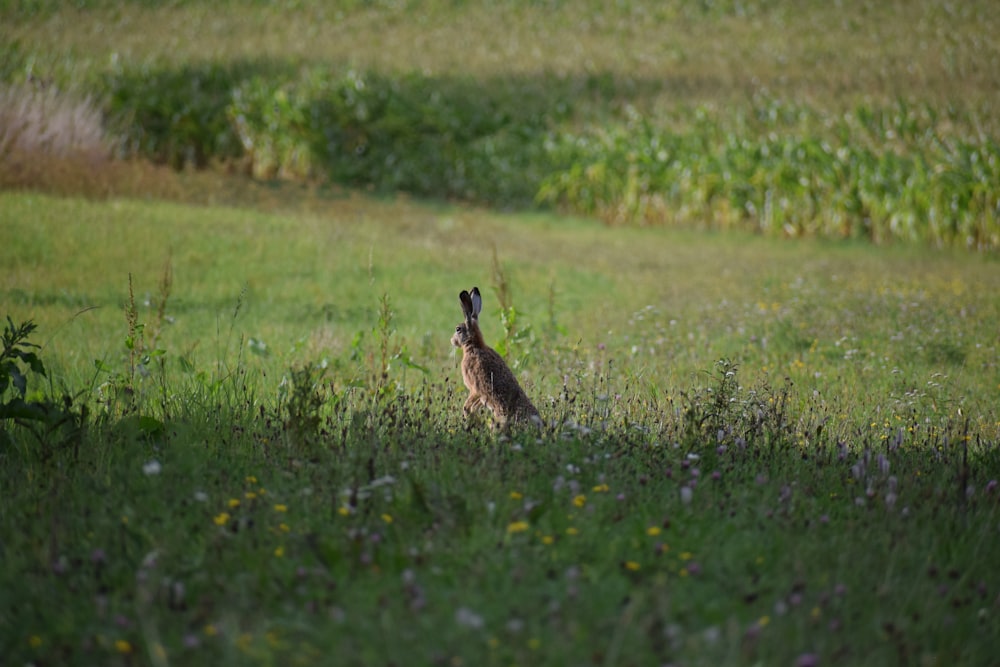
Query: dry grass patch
{"x": 37, "y": 118}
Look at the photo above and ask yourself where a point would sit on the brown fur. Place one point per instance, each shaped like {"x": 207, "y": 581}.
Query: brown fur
{"x": 489, "y": 381}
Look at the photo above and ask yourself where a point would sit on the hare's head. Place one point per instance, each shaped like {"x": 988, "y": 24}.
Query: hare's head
{"x": 467, "y": 333}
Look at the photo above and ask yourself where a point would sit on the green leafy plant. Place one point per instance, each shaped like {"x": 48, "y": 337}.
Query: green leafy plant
{"x": 882, "y": 174}
{"x": 53, "y": 423}
{"x": 302, "y": 397}
{"x": 17, "y": 359}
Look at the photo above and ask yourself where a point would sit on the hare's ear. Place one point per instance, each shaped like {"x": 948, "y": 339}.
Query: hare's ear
{"x": 477, "y": 302}
{"x": 467, "y": 307}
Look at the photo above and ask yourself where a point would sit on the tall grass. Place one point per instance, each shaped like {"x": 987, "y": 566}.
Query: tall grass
{"x": 40, "y": 119}
{"x": 730, "y": 523}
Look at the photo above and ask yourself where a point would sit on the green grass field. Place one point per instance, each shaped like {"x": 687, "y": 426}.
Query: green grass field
{"x": 248, "y": 446}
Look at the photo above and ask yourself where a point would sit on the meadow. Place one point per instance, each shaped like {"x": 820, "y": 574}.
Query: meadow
{"x": 239, "y": 439}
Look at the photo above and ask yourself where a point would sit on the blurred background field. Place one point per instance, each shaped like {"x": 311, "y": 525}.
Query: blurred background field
{"x": 843, "y": 120}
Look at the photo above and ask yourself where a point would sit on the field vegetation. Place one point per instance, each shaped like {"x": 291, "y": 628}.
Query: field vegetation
{"x": 851, "y": 120}
{"x": 230, "y": 417}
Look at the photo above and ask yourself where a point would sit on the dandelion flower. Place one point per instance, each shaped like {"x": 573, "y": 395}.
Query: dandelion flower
{"x": 572, "y": 530}
{"x": 516, "y": 495}
{"x": 221, "y": 519}
{"x": 517, "y": 527}
{"x": 279, "y": 552}
{"x": 601, "y": 488}
{"x": 548, "y": 540}
{"x": 653, "y": 531}
{"x": 280, "y": 508}
{"x": 580, "y": 500}
{"x": 343, "y": 510}
{"x": 632, "y": 566}
{"x": 122, "y": 646}
{"x": 234, "y": 503}
{"x": 34, "y": 641}
{"x": 387, "y": 518}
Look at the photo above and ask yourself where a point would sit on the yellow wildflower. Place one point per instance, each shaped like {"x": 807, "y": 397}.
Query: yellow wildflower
{"x": 517, "y": 527}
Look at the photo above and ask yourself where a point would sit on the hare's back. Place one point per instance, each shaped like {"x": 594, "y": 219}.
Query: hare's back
{"x": 490, "y": 372}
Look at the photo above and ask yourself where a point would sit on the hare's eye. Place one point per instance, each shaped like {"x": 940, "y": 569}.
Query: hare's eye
{"x": 458, "y": 329}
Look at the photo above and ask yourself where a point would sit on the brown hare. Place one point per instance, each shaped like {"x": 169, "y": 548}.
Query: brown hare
{"x": 489, "y": 381}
